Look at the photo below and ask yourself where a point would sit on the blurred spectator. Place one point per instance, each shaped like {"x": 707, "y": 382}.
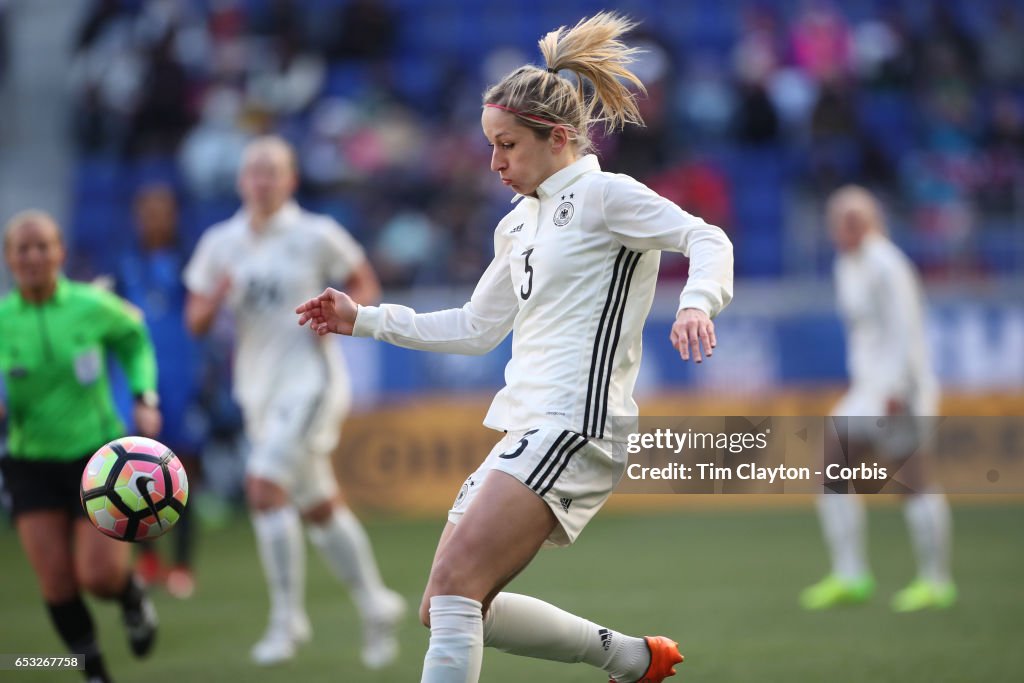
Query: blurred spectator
{"x": 468, "y": 235}
{"x": 706, "y": 100}
{"x": 362, "y": 29}
{"x": 131, "y": 85}
{"x": 1001, "y": 180}
{"x": 211, "y": 151}
{"x": 284, "y": 80}
{"x": 273, "y": 19}
{"x": 1003, "y": 47}
{"x": 834, "y": 153}
{"x": 641, "y": 150}
{"x": 821, "y": 43}
{"x": 100, "y": 15}
{"x": 759, "y": 50}
{"x": 700, "y": 188}
{"x": 106, "y": 75}
{"x": 757, "y": 123}
{"x": 5, "y": 7}
{"x": 869, "y": 93}
{"x": 882, "y": 56}
{"x": 161, "y": 116}
{"x": 944, "y": 45}
{"x": 409, "y": 250}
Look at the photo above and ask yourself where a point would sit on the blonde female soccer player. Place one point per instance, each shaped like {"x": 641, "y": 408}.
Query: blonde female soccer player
{"x": 573, "y": 277}
{"x": 891, "y": 375}
{"x": 293, "y": 392}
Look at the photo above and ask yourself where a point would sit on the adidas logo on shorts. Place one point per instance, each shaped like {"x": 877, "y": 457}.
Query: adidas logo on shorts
{"x": 566, "y": 502}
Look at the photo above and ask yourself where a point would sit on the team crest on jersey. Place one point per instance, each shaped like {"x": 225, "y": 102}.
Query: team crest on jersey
{"x": 464, "y": 491}
{"x": 563, "y": 214}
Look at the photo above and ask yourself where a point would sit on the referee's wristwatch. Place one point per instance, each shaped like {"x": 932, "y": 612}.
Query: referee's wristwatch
{"x": 148, "y": 398}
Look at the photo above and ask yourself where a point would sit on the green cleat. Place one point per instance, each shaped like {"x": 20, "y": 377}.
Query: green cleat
{"x": 833, "y": 591}
{"x": 922, "y": 594}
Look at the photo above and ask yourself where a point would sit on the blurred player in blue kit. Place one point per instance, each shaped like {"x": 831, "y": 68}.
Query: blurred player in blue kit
{"x": 150, "y": 277}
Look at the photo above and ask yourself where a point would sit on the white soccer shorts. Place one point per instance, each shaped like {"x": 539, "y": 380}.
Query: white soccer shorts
{"x": 896, "y": 438}
{"x": 293, "y": 436}
{"x": 573, "y": 474}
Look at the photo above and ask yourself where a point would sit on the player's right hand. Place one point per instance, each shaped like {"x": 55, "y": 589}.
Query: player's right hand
{"x": 332, "y": 311}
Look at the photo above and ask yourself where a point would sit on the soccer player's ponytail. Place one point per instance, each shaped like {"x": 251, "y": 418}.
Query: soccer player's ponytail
{"x": 542, "y": 99}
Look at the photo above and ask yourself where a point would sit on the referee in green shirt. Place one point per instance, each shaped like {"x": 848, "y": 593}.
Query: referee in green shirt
{"x": 54, "y": 339}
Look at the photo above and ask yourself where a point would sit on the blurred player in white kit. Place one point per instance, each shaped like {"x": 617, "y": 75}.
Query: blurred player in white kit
{"x": 882, "y": 306}
{"x": 294, "y": 392}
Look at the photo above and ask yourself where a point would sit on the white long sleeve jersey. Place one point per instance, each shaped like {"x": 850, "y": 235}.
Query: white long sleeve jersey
{"x": 573, "y": 277}
{"x": 292, "y": 259}
{"x": 882, "y": 306}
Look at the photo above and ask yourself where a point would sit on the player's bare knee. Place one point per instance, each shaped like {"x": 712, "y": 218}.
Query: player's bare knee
{"x": 451, "y": 575}
{"x": 319, "y": 513}
{"x": 264, "y": 495}
{"x": 58, "y": 587}
{"x": 100, "y": 581}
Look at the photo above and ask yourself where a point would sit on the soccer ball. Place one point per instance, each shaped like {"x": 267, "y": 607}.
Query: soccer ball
{"x": 134, "y": 489}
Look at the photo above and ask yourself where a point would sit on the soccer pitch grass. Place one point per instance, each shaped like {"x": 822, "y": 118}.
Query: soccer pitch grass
{"x": 722, "y": 582}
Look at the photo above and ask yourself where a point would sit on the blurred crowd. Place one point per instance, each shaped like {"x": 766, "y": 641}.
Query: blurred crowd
{"x": 752, "y": 109}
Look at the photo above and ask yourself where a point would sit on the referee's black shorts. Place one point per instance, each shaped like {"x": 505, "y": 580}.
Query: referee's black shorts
{"x": 35, "y": 485}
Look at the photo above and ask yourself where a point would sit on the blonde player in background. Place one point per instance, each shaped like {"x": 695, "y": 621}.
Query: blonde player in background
{"x": 573, "y": 277}
{"x": 294, "y": 393}
{"x": 882, "y": 306}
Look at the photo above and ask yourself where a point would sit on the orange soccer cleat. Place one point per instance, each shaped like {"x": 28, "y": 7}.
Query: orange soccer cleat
{"x": 664, "y": 656}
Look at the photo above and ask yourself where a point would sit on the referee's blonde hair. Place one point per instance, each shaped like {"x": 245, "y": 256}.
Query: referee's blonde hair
{"x": 541, "y": 99}
{"x": 30, "y": 216}
{"x": 857, "y": 200}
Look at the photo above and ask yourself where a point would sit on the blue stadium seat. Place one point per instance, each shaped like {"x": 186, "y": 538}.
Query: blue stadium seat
{"x": 417, "y": 79}
{"x": 154, "y": 171}
{"x": 99, "y": 230}
{"x": 347, "y": 79}
{"x": 97, "y": 176}
{"x": 889, "y": 118}
{"x": 757, "y": 176}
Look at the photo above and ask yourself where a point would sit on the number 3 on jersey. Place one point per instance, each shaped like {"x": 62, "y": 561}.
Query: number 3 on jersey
{"x": 526, "y": 290}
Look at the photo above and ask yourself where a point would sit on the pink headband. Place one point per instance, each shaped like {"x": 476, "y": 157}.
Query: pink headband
{"x": 532, "y": 117}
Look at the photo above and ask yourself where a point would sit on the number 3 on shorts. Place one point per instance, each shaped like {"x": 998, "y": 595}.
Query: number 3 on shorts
{"x": 522, "y": 446}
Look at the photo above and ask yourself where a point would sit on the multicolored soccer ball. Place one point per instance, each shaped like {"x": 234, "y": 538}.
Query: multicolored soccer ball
{"x": 134, "y": 489}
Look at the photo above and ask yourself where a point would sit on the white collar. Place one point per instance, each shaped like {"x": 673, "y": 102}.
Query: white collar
{"x": 284, "y": 218}
{"x": 563, "y": 178}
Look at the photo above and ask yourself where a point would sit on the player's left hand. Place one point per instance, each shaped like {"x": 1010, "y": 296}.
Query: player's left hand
{"x": 148, "y": 420}
{"x": 692, "y": 330}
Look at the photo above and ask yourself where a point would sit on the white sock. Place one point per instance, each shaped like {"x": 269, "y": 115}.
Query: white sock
{"x": 279, "y": 538}
{"x": 521, "y": 625}
{"x": 456, "y": 641}
{"x": 346, "y": 549}
{"x": 928, "y": 518}
{"x": 843, "y": 521}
